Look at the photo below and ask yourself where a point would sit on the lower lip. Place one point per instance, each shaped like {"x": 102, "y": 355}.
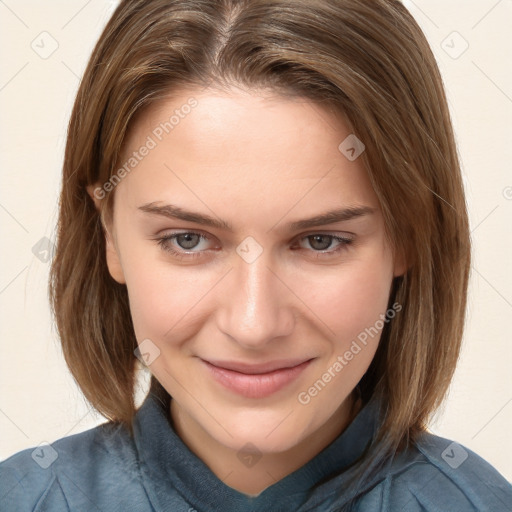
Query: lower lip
{"x": 256, "y": 385}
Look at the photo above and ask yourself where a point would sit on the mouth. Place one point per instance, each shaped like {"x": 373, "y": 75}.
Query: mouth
{"x": 256, "y": 380}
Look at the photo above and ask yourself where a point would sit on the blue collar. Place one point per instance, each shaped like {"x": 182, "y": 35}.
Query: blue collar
{"x": 167, "y": 463}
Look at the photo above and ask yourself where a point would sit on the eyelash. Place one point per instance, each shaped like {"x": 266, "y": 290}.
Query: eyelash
{"x": 163, "y": 242}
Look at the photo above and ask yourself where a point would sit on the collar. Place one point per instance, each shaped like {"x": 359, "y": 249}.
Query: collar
{"x": 168, "y": 467}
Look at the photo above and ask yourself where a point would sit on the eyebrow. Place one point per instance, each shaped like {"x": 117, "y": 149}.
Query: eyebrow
{"x": 330, "y": 217}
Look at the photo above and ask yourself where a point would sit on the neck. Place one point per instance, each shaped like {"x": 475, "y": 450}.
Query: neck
{"x": 271, "y": 467}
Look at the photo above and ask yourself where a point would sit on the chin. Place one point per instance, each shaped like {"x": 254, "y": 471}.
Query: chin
{"x": 271, "y": 433}
{"x": 262, "y": 442}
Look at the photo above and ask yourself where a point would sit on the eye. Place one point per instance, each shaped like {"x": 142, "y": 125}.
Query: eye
{"x": 179, "y": 243}
{"x": 321, "y": 242}
{"x": 191, "y": 244}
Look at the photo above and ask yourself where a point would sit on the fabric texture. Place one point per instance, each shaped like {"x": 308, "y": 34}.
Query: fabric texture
{"x": 104, "y": 469}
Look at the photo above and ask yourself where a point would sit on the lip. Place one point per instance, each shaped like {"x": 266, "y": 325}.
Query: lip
{"x": 256, "y": 380}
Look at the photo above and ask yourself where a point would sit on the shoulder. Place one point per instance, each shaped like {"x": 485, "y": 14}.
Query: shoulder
{"x": 70, "y": 472}
{"x": 438, "y": 474}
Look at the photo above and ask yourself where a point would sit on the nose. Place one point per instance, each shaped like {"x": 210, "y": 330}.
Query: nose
{"x": 256, "y": 306}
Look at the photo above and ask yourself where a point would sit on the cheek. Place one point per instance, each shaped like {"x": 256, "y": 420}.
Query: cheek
{"x": 167, "y": 300}
{"x": 163, "y": 298}
{"x": 352, "y": 309}
{"x": 353, "y": 297}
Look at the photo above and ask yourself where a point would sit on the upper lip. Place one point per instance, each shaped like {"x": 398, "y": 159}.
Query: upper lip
{"x": 255, "y": 369}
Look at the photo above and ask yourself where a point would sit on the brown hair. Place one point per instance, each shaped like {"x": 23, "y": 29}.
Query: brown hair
{"x": 367, "y": 59}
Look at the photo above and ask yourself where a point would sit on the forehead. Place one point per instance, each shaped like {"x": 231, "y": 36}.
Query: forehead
{"x": 243, "y": 148}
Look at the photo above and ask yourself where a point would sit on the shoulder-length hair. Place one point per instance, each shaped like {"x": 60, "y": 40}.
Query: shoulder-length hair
{"x": 367, "y": 60}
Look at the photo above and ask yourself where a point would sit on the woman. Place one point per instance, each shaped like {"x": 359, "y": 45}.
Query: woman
{"x": 262, "y": 203}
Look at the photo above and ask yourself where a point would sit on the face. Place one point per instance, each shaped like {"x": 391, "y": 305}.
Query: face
{"x": 248, "y": 299}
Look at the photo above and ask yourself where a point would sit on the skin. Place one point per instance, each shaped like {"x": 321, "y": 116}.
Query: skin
{"x": 257, "y": 161}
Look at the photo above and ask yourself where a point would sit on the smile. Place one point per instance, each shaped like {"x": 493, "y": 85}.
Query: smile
{"x": 256, "y": 381}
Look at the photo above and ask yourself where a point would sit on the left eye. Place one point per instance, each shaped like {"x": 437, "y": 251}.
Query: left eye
{"x": 322, "y": 242}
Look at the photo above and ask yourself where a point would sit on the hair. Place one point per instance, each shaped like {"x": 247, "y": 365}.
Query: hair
{"x": 367, "y": 60}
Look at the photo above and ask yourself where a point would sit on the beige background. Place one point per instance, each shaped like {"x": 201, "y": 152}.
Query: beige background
{"x": 39, "y": 400}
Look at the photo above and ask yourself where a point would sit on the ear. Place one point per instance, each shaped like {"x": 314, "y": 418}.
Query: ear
{"x": 400, "y": 264}
{"x": 112, "y": 252}
{"x": 97, "y": 194}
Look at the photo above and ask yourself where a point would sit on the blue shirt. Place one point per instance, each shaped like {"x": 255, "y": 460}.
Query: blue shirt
{"x": 105, "y": 469}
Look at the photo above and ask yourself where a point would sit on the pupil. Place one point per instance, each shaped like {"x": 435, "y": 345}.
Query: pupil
{"x": 187, "y": 240}
{"x": 317, "y": 238}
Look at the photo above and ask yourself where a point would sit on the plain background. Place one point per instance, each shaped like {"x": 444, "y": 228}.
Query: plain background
{"x": 39, "y": 400}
